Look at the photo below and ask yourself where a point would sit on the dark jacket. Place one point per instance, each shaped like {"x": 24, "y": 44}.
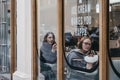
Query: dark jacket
{"x": 47, "y": 57}
{"x": 73, "y": 57}
{"x": 76, "y": 58}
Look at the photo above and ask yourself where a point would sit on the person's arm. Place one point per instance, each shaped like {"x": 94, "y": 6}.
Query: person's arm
{"x": 89, "y": 65}
{"x": 69, "y": 58}
{"x": 75, "y": 61}
{"x": 49, "y": 56}
{"x": 118, "y": 43}
{"x": 54, "y": 48}
{"x": 91, "y": 60}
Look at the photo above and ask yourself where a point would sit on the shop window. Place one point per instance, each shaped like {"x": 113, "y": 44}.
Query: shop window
{"x": 114, "y": 40}
{"x": 76, "y": 19}
{"x": 47, "y": 40}
{"x": 81, "y": 28}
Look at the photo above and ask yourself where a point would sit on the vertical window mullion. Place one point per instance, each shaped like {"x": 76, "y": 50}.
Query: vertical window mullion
{"x": 60, "y": 23}
{"x": 103, "y": 39}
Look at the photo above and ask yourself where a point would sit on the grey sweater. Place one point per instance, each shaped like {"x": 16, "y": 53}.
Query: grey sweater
{"x": 47, "y": 54}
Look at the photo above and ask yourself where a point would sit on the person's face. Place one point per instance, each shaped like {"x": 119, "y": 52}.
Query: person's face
{"x": 50, "y": 38}
{"x": 86, "y": 45}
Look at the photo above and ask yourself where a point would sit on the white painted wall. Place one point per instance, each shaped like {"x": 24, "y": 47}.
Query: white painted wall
{"x": 24, "y": 46}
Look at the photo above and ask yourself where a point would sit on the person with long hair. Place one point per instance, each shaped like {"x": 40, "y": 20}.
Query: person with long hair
{"x": 83, "y": 57}
{"x": 48, "y": 56}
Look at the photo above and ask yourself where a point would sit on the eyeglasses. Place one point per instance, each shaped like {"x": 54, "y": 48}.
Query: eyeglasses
{"x": 86, "y": 43}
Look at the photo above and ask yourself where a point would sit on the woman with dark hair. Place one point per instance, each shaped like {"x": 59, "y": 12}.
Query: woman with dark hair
{"x": 48, "y": 56}
{"x": 83, "y": 57}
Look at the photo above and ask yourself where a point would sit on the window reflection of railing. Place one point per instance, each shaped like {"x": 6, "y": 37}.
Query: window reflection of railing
{"x": 4, "y": 37}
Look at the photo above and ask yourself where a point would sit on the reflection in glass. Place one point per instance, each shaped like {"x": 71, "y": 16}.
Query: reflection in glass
{"x": 114, "y": 39}
{"x": 4, "y": 40}
{"x": 48, "y": 56}
{"x": 80, "y": 57}
{"x": 81, "y": 29}
{"x": 47, "y": 22}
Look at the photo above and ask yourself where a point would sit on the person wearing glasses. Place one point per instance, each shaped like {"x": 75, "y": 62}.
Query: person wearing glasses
{"x": 83, "y": 57}
{"x": 48, "y": 56}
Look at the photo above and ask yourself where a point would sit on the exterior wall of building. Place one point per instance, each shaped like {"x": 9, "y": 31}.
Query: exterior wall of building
{"x": 24, "y": 41}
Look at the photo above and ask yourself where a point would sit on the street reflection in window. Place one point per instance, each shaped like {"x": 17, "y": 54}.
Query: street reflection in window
{"x": 81, "y": 29}
{"x": 47, "y": 25}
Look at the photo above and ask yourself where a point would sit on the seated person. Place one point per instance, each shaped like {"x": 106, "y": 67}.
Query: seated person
{"x": 77, "y": 57}
{"x": 83, "y": 57}
{"x": 48, "y": 56}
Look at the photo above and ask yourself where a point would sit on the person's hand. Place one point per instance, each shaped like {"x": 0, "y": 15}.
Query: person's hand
{"x": 89, "y": 65}
{"x": 54, "y": 47}
{"x": 91, "y": 55}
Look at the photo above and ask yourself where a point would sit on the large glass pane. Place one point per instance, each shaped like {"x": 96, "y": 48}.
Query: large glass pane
{"x": 114, "y": 39}
{"x": 81, "y": 30}
{"x": 47, "y": 31}
{"x": 4, "y": 39}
